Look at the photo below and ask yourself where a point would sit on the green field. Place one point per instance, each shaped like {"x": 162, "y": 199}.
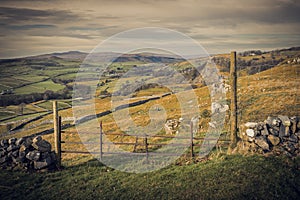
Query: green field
{"x": 5, "y": 115}
{"x": 31, "y": 78}
{"x": 48, "y": 105}
{"x": 39, "y": 87}
{"x": 23, "y": 117}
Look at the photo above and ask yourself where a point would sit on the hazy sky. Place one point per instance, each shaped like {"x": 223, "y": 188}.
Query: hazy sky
{"x": 36, "y": 27}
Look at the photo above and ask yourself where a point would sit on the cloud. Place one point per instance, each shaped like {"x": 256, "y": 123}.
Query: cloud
{"x": 32, "y": 26}
{"x": 218, "y": 25}
{"x": 11, "y": 15}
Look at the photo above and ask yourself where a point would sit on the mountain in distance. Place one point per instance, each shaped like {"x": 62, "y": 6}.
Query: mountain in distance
{"x": 80, "y": 56}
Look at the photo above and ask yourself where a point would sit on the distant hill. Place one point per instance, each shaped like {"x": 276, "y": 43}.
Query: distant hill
{"x": 80, "y": 56}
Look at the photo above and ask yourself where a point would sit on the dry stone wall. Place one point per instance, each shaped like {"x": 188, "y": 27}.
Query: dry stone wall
{"x": 276, "y": 135}
{"x": 27, "y": 153}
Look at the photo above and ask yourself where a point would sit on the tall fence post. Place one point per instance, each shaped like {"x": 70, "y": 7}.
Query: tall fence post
{"x": 57, "y": 133}
{"x": 146, "y": 147}
{"x": 192, "y": 140}
{"x": 101, "y": 141}
{"x": 233, "y": 114}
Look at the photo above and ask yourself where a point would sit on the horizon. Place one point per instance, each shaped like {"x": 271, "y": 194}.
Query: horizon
{"x": 143, "y": 52}
{"x": 30, "y": 28}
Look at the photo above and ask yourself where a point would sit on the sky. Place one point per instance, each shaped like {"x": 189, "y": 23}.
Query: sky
{"x": 33, "y": 27}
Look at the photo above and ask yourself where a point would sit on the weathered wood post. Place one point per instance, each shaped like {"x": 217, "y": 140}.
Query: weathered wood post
{"x": 192, "y": 140}
{"x": 57, "y": 133}
{"x": 146, "y": 147}
{"x": 233, "y": 106}
{"x": 101, "y": 141}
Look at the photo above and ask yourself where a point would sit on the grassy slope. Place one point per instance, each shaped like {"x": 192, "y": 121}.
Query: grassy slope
{"x": 272, "y": 90}
{"x": 226, "y": 177}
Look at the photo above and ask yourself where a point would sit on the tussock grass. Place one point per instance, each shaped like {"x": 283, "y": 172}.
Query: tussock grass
{"x": 223, "y": 177}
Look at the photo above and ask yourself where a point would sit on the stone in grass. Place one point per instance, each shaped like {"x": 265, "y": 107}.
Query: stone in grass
{"x": 4, "y": 143}
{"x": 12, "y": 140}
{"x": 260, "y": 126}
{"x": 15, "y": 153}
{"x": 262, "y": 143}
{"x": 42, "y": 146}
{"x": 293, "y": 138}
{"x": 285, "y": 120}
{"x": 250, "y": 132}
{"x": 12, "y": 147}
{"x": 2, "y": 152}
{"x": 19, "y": 141}
{"x": 265, "y": 131}
{"x": 37, "y": 139}
{"x": 22, "y": 156}
{"x": 251, "y": 125}
{"x": 27, "y": 142}
{"x": 33, "y": 155}
{"x": 43, "y": 163}
{"x": 274, "y": 132}
{"x": 283, "y": 131}
{"x": 290, "y": 147}
{"x": 276, "y": 122}
{"x": 294, "y": 121}
{"x": 273, "y": 121}
{"x": 274, "y": 140}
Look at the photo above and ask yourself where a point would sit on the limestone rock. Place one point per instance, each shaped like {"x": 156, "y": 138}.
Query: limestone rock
{"x": 27, "y": 142}
{"x": 290, "y": 148}
{"x": 15, "y": 153}
{"x": 43, "y": 163}
{"x": 33, "y": 155}
{"x": 294, "y": 121}
{"x": 285, "y": 120}
{"x": 293, "y": 138}
{"x": 250, "y": 132}
{"x": 2, "y": 152}
{"x": 12, "y": 147}
{"x": 260, "y": 126}
{"x": 37, "y": 139}
{"x": 19, "y": 141}
{"x": 274, "y": 131}
{"x": 274, "y": 140}
{"x": 283, "y": 131}
{"x": 276, "y": 122}
{"x": 262, "y": 143}
{"x": 4, "y": 143}
{"x": 251, "y": 125}
{"x": 12, "y": 140}
{"x": 25, "y": 154}
{"x": 265, "y": 131}
{"x": 42, "y": 146}
{"x": 273, "y": 121}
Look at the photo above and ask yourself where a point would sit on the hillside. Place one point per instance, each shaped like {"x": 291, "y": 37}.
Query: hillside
{"x": 271, "y": 92}
{"x": 268, "y": 84}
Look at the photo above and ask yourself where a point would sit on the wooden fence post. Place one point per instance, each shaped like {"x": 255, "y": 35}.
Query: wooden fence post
{"x": 101, "y": 141}
{"x": 192, "y": 140}
{"x": 146, "y": 147}
{"x": 57, "y": 133}
{"x": 233, "y": 115}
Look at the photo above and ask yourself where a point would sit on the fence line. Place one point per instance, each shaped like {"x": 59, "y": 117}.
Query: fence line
{"x": 145, "y": 143}
{"x": 233, "y": 125}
